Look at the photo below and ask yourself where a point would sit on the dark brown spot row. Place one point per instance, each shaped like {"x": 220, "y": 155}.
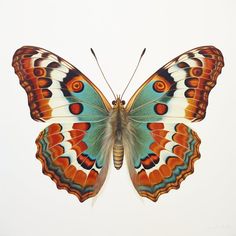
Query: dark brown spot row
{"x": 45, "y": 54}
{"x": 38, "y": 61}
{"x": 198, "y": 62}
{"x": 190, "y": 54}
{"x": 53, "y": 65}
{"x": 182, "y": 65}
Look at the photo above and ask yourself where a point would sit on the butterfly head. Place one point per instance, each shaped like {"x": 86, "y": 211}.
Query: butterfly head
{"x": 118, "y": 103}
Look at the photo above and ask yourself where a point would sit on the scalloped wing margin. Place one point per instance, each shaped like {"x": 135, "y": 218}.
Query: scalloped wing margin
{"x": 163, "y": 157}
{"x": 74, "y": 157}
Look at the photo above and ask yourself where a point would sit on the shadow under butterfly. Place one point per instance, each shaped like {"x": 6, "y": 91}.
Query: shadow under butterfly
{"x": 85, "y": 129}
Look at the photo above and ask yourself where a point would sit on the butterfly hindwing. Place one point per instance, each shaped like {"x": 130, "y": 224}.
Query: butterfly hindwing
{"x": 162, "y": 156}
{"x": 179, "y": 90}
{"x": 56, "y": 90}
{"x": 72, "y": 155}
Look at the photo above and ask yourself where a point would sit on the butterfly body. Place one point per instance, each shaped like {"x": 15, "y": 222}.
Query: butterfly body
{"x": 86, "y": 129}
{"x": 118, "y": 121}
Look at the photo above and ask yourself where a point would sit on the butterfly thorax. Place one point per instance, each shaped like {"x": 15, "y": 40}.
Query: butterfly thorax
{"x": 118, "y": 122}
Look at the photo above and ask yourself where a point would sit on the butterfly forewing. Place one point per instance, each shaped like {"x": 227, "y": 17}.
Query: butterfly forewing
{"x": 56, "y": 90}
{"x": 179, "y": 90}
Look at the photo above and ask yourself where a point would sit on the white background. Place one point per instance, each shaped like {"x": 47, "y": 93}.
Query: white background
{"x": 30, "y": 203}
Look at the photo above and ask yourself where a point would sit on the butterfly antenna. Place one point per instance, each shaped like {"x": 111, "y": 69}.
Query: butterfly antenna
{"x": 144, "y": 50}
{"x": 102, "y": 72}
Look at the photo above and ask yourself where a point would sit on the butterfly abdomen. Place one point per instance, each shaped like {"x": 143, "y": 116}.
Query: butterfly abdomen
{"x": 118, "y": 123}
{"x": 118, "y": 154}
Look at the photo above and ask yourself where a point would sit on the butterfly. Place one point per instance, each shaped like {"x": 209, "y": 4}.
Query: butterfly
{"x": 86, "y": 130}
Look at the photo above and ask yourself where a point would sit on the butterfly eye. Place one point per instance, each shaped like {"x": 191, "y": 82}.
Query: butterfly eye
{"x": 123, "y": 102}
{"x": 113, "y": 102}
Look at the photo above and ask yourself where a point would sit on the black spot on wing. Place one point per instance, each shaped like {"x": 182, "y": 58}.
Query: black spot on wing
{"x": 70, "y": 75}
{"x": 64, "y": 90}
{"x": 53, "y": 65}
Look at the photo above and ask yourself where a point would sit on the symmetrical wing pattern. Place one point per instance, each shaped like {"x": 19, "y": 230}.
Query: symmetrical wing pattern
{"x": 160, "y": 149}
